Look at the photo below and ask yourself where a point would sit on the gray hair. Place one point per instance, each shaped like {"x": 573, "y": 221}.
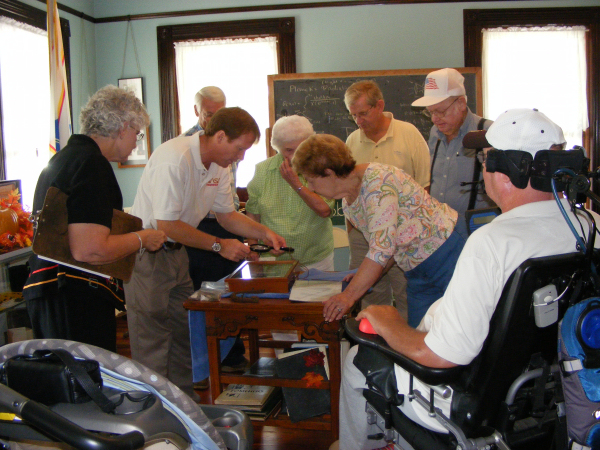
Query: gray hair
{"x": 108, "y": 109}
{"x": 290, "y": 129}
{"x": 212, "y": 93}
{"x": 360, "y": 88}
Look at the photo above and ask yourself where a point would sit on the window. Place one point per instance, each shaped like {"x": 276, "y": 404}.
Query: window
{"x": 551, "y": 78}
{"x": 248, "y": 31}
{"x": 25, "y": 103}
{"x": 239, "y": 67}
{"x": 476, "y": 20}
{"x": 17, "y": 147}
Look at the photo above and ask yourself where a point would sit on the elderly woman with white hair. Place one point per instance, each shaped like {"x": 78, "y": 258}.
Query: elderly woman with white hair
{"x": 63, "y": 302}
{"x": 280, "y": 199}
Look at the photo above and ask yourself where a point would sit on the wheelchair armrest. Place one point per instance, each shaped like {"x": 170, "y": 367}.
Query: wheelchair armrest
{"x": 429, "y": 375}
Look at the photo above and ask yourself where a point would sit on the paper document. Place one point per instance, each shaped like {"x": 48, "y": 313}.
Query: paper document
{"x": 314, "y": 290}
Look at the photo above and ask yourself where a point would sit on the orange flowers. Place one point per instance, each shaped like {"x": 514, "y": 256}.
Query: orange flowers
{"x": 15, "y": 227}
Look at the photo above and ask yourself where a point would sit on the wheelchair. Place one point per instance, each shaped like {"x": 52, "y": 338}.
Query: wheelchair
{"x": 508, "y": 397}
{"x": 150, "y": 412}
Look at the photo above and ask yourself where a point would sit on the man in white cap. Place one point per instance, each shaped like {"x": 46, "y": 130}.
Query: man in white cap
{"x": 445, "y": 103}
{"x": 381, "y": 138}
{"x": 454, "y": 328}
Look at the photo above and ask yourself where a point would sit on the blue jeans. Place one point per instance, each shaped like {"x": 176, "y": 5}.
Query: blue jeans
{"x": 200, "y": 346}
{"x": 427, "y": 282}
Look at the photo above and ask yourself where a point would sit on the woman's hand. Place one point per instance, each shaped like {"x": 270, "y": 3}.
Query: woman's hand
{"x": 336, "y": 307}
{"x": 288, "y": 174}
{"x": 152, "y": 240}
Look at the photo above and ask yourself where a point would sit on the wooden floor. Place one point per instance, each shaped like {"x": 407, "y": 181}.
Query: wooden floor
{"x": 265, "y": 438}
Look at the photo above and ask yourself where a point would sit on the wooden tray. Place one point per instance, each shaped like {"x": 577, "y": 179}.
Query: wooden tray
{"x": 262, "y": 276}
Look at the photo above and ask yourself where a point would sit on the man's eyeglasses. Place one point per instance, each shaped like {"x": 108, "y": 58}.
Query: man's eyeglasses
{"x": 438, "y": 114}
{"x": 362, "y": 114}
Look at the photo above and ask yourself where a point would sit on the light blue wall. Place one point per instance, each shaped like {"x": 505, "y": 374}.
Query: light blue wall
{"x": 327, "y": 40}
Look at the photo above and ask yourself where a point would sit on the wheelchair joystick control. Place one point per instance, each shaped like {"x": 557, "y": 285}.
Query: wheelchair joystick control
{"x": 366, "y": 327}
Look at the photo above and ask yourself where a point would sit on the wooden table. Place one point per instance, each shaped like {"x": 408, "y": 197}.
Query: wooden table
{"x": 227, "y": 318}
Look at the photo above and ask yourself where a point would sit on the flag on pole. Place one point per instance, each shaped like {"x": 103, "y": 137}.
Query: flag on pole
{"x": 60, "y": 118}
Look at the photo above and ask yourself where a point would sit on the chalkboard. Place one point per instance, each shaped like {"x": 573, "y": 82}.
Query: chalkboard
{"x": 320, "y": 98}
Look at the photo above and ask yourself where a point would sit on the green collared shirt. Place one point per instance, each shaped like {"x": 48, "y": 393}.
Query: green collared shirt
{"x": 283, "y": 211}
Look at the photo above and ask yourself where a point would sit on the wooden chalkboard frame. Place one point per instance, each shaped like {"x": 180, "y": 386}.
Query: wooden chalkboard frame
{"x": 274, "y": 81}
{"x": 336, "y": 95}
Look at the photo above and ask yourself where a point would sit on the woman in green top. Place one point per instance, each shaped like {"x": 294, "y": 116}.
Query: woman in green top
{"x": 279, "y": 199}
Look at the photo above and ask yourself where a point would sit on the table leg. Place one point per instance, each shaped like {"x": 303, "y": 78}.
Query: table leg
{"x": 335, "y": 380}
{"x": 214, "y": 361}
{"x": 253, "y": 344}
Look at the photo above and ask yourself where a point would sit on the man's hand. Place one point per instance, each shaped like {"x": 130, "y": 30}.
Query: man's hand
{"x": 382, "y": 318}
{"x": 234, "y": 250}
{"x": 275, "y": 241}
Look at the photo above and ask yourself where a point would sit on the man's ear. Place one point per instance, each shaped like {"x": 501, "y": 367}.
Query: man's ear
{"x": 329, "y": 172}
{"x": 380, "y": 105}
{"x": 196, "y": 111}
{"x": 220, "y": 136}
{"x": 503, "y": 178}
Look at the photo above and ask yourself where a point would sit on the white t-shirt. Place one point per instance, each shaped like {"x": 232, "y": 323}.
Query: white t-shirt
{"x": 458, "y": 323}
{"x": 175, "y": 185}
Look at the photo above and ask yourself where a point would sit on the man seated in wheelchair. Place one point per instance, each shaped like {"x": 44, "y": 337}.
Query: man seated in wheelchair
{"x": 454, "y": 328}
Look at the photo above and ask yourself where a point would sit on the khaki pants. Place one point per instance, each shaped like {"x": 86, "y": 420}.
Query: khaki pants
{"x": 389, "y": 289}
{"x": 159, "y": 333}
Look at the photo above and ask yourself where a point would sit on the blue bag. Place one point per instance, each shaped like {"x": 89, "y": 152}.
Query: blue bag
{"x": 579, "y": 359}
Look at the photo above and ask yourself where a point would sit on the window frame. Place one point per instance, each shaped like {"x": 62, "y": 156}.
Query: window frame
{"x": 21, "y": 12}
{"x": 282, "y": 28}
{"x": 475, "y": 20}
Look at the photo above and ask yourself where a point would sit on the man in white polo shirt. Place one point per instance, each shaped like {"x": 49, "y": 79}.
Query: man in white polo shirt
{"x": 184, "y": 179}
{"x": 455, "y": 327}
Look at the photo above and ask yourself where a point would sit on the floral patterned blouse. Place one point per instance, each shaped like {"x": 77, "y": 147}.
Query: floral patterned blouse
{"x": 398, "y": 217}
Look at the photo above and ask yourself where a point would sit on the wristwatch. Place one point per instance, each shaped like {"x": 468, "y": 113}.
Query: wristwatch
{"x": 216, "y": 247}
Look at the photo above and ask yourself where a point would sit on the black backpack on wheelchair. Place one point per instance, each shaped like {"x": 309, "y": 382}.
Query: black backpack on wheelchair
{"x": 508, "y": 396}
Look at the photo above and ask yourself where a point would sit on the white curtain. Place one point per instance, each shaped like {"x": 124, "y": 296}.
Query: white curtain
{"x": 25, "y": 86}
{"x": 240, "y": 68}
{"x": 543, "y": 68}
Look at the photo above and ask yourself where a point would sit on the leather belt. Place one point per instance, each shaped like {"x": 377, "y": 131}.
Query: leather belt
{"x": 173, "y": 245}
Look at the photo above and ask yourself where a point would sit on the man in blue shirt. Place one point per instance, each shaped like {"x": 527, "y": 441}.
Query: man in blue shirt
{"x": 445, "y": 102}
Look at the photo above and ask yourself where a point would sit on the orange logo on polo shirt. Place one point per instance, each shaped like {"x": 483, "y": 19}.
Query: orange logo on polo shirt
{"x": 213, "y": 182}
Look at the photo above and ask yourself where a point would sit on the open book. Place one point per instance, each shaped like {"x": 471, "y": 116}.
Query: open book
{"x": 314, "y": 290}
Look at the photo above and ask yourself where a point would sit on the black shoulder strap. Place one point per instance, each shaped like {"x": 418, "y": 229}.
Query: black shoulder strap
{"x": 437, "y": 146}
{"x": 84, "y": 379}
{"x": 476, "y": 171}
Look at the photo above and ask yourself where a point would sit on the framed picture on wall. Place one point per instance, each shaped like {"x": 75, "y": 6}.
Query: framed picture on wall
{"x": 139, "y": 156}
{"x": 7, "y": 186}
